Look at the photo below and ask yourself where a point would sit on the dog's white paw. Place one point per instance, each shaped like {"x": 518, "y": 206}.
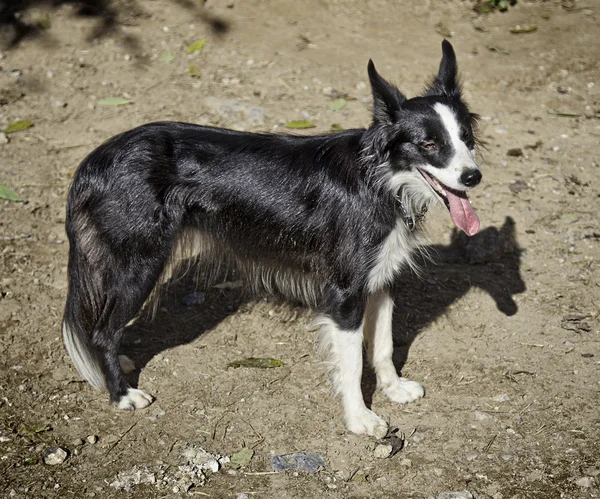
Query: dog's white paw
{"x": 403, "y": 391}
{"x": 127, "y": 365}
{"x": 366, "y": 422}
{"x": 135, "y": 399}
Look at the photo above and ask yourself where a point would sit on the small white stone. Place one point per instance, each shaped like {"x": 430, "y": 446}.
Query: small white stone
{"x": 500, "y": 398}
{"x": 456, "y": 495}
{"x": 55, "y": 455}
{"x": 92, "y": 439}
{"x": 481, "y": 416}
{"x": 382, "y": 451}
{"x": 417, "y": 437}
{"x": 585, "y": 482}
{"x": 212, "y": 465}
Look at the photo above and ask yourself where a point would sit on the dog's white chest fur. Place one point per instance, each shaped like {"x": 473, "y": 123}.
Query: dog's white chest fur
{"x": 395, "y": 252}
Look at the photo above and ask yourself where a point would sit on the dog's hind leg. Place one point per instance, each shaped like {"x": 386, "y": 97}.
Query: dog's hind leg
{"x": 122, "y": 304}
{"x": 380, "y": 347}
{"x": 103, "y": 297}
{"x": 342, "y": 336}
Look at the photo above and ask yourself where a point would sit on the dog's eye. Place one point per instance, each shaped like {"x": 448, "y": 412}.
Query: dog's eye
{"x": 429, "y": 145}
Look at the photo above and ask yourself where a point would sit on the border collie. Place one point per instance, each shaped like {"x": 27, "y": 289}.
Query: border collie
{"x": 329, "y": 220}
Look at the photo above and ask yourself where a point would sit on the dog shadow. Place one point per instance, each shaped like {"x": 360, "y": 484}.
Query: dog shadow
{"x": 108, "y": 18}
{"x": 489, "y": 260}
{"x": 181, "y": 316}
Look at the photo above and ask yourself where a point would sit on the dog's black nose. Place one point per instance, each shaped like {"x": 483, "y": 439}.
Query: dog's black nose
{"x": 471, "y": 178}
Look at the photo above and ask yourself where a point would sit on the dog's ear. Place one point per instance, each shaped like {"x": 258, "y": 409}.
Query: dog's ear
{"x": 387, "y": 99}
{"x": 446, "y": 82}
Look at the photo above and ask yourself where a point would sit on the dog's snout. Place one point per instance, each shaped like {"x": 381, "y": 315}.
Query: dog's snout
{"x": 471, "y": 178}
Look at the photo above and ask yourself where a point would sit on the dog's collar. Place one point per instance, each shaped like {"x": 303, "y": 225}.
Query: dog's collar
{"x": 411, "y": 220}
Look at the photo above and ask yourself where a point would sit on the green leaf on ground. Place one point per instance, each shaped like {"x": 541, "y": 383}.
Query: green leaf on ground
{"x": 196, "y": 46}
{"x": 257, "y": 362}
{"x": 194, "y": 71}
{"x": 114, "y": 101}
{"x": 299, "y": 124}
{"x": 337, "y": 104}
{"x": 8, "y": 193}
{"x": 336, "y": 127}
{"x": 18, "y": 126}
{"x": 526, "y": 28}
{"x": 168, "y": 56}
{"x": 496, "y": 48}
{"x": 558, "y": 112}
{"x": 29, "y": 432}
{"x": 241, "y": 458}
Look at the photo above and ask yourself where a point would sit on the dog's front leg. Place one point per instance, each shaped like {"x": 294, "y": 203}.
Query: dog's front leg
{"x": 380, "y": 347}
{"x": 343, "y": 337}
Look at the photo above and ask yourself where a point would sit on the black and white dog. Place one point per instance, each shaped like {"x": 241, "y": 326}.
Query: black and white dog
{"x": 328, "y": 220}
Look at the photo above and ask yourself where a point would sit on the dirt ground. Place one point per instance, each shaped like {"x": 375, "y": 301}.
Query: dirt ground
{"x": 503, "y": 330}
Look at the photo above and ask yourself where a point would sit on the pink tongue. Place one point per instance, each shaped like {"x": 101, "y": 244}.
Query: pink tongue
{"x": 462, "y": 213}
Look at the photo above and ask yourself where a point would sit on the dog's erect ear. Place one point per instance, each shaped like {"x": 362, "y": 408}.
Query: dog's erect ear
{"x": 446, "y": 82}
{"x": 387, "y": 99}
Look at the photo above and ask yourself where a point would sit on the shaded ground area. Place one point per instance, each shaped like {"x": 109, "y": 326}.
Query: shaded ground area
{"x": 502, "y": 329}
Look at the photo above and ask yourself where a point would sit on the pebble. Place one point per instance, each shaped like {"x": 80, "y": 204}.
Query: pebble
{"x": 92, "y": 439}
{"x": 456, "y": 495}
{"x": 241, "y": 495}
{"x": 472, "y": 456}
{"x": 500, "y": 398}
{"x": 3, "y": 139}
{"x": 382, "y": 451}
{"x": 243, "y": 113}
{"x": 481, "y": 416}
{"x": 158, "y": 412}
{"x": 417, "y": 437}
{"x": 308, "y": 461}
{"x": 55, "y": 455}
{"x": 515, "y": 152}
{"x": 78, "y": 442}
{"x": 585, "y": 482}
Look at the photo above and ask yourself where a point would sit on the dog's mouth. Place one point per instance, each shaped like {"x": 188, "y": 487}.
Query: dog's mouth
{"x": 462, "y": 213}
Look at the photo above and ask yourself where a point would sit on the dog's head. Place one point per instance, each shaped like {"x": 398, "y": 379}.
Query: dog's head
{"x": 426, "y": 145}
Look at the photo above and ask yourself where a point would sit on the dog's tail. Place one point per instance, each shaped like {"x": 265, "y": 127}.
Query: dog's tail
{"x": 83, "y": 310}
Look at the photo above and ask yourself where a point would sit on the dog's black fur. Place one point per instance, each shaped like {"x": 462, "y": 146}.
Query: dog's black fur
{"x": 304, "y": 216}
